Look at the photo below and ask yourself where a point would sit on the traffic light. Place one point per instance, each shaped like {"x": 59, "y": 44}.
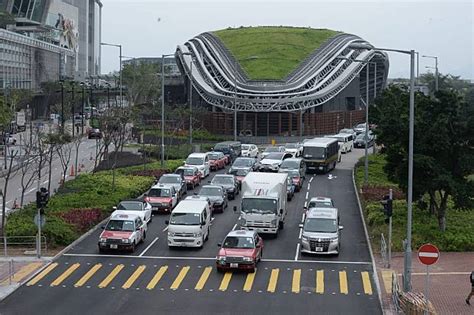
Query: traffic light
{"x": 42, "y": 198}
{"x": 387, "y": 207}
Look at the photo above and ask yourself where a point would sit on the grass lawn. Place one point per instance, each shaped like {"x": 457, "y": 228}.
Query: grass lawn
{"x": 459, "y": 235}
{"x": 271, "y": 53}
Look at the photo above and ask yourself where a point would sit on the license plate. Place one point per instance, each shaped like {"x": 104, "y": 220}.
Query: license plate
{"x": 154, "y": 208}
{"x": 113, "y": 246}
{"x": 234, "y": 265}
{"x": 319, "y": 249}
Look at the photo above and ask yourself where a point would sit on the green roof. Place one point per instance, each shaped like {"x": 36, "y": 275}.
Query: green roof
{"x": 272, "y": 53}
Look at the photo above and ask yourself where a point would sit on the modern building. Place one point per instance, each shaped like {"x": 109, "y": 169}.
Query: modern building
{"x": 330, "y": 79}
{"x": 49, "y": 40}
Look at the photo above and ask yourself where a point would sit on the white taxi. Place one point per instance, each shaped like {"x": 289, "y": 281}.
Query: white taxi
{"x": 122, "y": 232}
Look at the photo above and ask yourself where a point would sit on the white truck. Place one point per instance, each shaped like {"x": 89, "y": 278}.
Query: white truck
{"x": 263, "y": 207}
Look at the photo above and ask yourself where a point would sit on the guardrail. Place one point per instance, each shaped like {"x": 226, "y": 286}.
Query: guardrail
{"x": 21, "y": 243}
{"x": 395, "y": 293}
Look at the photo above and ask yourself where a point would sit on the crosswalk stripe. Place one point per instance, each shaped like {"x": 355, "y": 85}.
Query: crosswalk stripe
{"x": 179, "y": 278}
{"x": 225, "y": 281}
{"x": 343, "y": 282}
{"x": 320, "y": 281}
{"x": 273, "y": 280}
{"x": 22, "y": 273}
{"x": 203, "y": 278}
{"x": 157, "y": 277}
{"x": 111, "y": 276}
{"x": 295, "y": 285}
{"x": 42, "y": 274}
{"x": 366, "y": 283}
{"x": 249, "y": 281}
{"x": 88, "y": 275}
{"x": 133, "y": 277}
{"x": 64, "y": 275}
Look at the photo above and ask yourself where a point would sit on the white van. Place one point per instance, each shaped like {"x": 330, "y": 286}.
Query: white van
{"x": 345, "y": 140}
{"x": 189, "y": 224}
{"x": 201, "y": 161}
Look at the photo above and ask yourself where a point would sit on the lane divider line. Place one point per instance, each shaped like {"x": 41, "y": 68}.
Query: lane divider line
{"x": 272, "y": 283}
{"x": 111, "y": 276}
{"x": 148, "y": 247}
{"x": 307, "y": 195}
{"x": 225, "y": 281}
{"x": 134, "y": 277}
{"x": 203, "y": 279}
{"x": 297, "y": 251}
{"x": 177, "y": 282}
{"x": 42, "y": 274}
{"x": 157, "y": 277}
{"x": 249, "y": 281}
{"x": 301, "y": 233}
{"x": 311, "y": 179}
{"x": 320, "y": 281}
{"x": 88, "y": 275}
{"x": 65, "y": 275}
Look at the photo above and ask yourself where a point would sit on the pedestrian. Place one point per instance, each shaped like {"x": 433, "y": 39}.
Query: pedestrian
{"x": 472, "y": 289}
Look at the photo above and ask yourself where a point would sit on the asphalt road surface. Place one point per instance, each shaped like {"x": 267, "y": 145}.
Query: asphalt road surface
{"x": 156, "y": 279}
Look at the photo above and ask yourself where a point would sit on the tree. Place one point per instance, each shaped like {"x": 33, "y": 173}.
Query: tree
{"x": 3, "y": 192}
{"x": 30, "y": 164}
{"x": 142, "y": 82}
{"x": 6, "y": 19}
{"x": 443, "y": 150}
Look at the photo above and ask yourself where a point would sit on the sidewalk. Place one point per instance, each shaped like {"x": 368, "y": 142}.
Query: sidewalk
{"x": 449, "y": 281}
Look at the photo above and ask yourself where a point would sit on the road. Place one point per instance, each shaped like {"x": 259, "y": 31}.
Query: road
{"x": 158, "y": 279}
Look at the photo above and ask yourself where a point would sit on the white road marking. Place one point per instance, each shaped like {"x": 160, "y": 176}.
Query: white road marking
{"x": 32, "y": 189}
{"x": 45, "y": 182}
{"x": 301, "y": 233}
{"x": 309, "y": 186}
{"x": 165, "y": 229}
{"x": 148, "y": 247}
{"x": 303, "y": 217}
{"x": 233, "y": 229}
{"x": 311, "y": 179}
{"x": 297, "y": 251}
{"x": 305, "y": 204}
{"x": 307, "y": 195}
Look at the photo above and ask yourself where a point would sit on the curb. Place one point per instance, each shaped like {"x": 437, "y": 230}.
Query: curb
{"x": 374, "y": 268}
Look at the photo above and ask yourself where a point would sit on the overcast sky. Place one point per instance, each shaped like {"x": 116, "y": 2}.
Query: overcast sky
{"x": 441, "y": 28}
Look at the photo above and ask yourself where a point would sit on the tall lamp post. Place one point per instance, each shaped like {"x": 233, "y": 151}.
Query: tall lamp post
{"x": 163, "y": 107}
{"x": 190, "y": 98}
{"x": 83, "y": 85}
{"x": 120, "y": 57}
{"x": 408, "y": 251}
{"x": 436, "y": 69}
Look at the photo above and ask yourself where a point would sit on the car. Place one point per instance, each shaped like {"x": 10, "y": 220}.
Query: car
{"x": 321, "y": 202}
{"x": 240, "y": 249}
{"x": 246, "y": 163}
{"x": 240, "y": 175}
{"x": 359, "y": 141}
{"x": 94, "y": 133}
{"x": 229, "y": 183}
{"x": 348, "y": 131}
{"x": 290, "y": 188}
{"x": 232, "y": 149}
{"x": 294, "y": 148}
{"x": 293, "y": 164}
{"x": 197, "y": 197}
{"x": 272, "y": 149}
{"x": 249, "y": 150}
{"x": 122, "y": 232}
{"x": 191, "y": 175}
{"x": 217, "y": 195}
{"x": 175, "y": 180}
{"x": 321, "y": 232}
{"x": 360, "y": 128}
{"x": 296, "y": 177}
{"x": 136, "y": 207}
{"x": 272, "y": 162}
{"x": 162, "y": 198}
{"x": 217, "y": 160}
{"x": 78, "y": 120}
{"x": 201, "y": 161}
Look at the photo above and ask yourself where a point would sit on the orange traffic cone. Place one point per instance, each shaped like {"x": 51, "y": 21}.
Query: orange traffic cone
{"x": 72, "y": 171}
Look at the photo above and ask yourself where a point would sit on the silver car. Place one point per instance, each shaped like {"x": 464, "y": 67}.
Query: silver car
{"x": 321, "y": 232}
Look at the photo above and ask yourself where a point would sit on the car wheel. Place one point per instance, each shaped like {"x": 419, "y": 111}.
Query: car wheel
{"x": 101, "y": 250}
{"x": 151, "y": 218}
{"x": 261, "y": 255}
{"x": 281, "y": 225}
{"x": 252, "y": 270}
{"x": 202, "y": 242}
{"x": 132, "y": 248}
{"x": 208, "y": 232}
{"x": 144, "y": 236}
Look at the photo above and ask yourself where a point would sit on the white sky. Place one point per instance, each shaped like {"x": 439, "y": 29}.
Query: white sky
{"x": 441, "y": 28}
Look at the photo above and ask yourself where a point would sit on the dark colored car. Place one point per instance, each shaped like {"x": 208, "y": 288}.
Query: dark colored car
{"x": 296, "y": 177}
{"x": 217, "y": 195}
{"x": 94, "y": 133}
{"x": 359, "y": 141}
{"x": 229, "y": 183}
{"x": 290, "y": 189}
{"x": 176, "y": 180}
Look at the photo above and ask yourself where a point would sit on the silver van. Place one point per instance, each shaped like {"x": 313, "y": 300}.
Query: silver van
{"x": 321, "y": 231}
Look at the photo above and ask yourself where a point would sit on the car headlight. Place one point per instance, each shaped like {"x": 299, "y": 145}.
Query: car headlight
{"x": 304, "y": 238}
{"x": 197, "y": 234}
{"x": 231, "y": 189}
{"x": 221, "y": 258}
{"x": 171, "y": 234}
{"x": 243, "y": 221}
{"x": 247, "y": 258}
{"x": 102, "y": 240}
{"x": 274, "y": 222}
{"x": 334, "y": 239}
{"x": 125, "y": 240}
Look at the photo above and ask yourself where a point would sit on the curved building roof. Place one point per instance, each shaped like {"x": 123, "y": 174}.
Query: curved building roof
{"x": 219, "y": 79}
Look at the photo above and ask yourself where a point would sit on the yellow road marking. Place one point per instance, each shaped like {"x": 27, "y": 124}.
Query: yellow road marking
{"x": 88, "y": 275}
{"x": 225, "y": 281}
{"x": 133, "y": 277}
{"x": 203, "y": 279}
{"x": 23, "y": 272}
{"x": 320, "y": 281}
{"x": 273, "y": 280}
{"x": 387, "y": 280}
{"x": 179, "y": 278}
{"x": 295, "y": 285}
{"x": 343, "y": 282}
{"x": 249, "y": 281}
{"x": 159, "y": 274}
{"x": 111, "y": 276}
{"x": 65, "y": 274}
{"x": 366, "y": 283}
{"x": 42, "y": 274}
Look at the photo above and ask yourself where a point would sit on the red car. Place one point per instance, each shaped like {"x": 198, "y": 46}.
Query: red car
{"x": 240, "y": 175}
{"x": 191, "y": 175}
{"x": 162, "y": 198}
{"x": 241, "y": 250}
{"x": 296, "y": 178}
{"x": 217, "y": 160}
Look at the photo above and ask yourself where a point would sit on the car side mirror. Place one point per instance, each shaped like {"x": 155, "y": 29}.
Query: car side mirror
{"x": 195, "y": 193}
{"x": 167, "y": 222}
{"x": 219, "y": 244}
{"x": 103, "y": 227}
{"x": 145, "y": 195}
{"x": 235, "y": 208}
{"x": 138, "y": 228}
{"x": 341, "y": 227}
{"x": 300, "y": 225}
{"x": 209, "y": 181}
{"x": 114, "y": 208}
{"x": 305, "y": 208}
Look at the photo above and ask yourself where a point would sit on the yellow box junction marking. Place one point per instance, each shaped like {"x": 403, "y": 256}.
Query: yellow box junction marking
{"x": 65, "y": 274}
{"x": 134, "y": 277}
{"x": 179, "y": 278}
{"x": 203, "y": 278}
{"x": 157, "y": 277}
{"x": 42, "y": 274}
{"x": 111, "y": 276}
{"x": 88, "y": 275}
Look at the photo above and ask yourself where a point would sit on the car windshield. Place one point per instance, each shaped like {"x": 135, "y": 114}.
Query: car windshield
{"x": 169, "y": 180}
{"x": 239, "y": 162}
{"x": 291, "y": 146}
{"x": 120, "y": 225}
{"x": 188, "y": 172}
{"x": 245, "y": 147}
{"x": 185, "y": 218}
{"x": 290, "y": 164}
{"x": 241, "y": 172}
{"x": 194, "y": 161}
{"x": 222, "y": 180}
{"x": 130, "y": 205}
{"x": 320, "y": 204}
{"x": 213, "y": 156}
{"x": 361, "y": 126}
{"x": 255, "y": 205}
{"x": 314, "y": 152}
{"x": 275, "y": 156}
{"x": 211, "y": 191}
{"x": 361, "y": 137}
{"x": 293, "y": 173}
{"x": 159, "y": 192}
{"x": 238, "y": 242}
{"x": 320, "y": 225}
{"x": 350, "y": 131}
{"x": 272, "y": 149}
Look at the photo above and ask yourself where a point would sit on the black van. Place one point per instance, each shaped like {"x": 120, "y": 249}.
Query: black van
{"x": 230, "y": 148}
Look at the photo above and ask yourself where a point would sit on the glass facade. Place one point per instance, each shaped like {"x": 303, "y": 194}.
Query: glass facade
{"x": 29, "y": 9}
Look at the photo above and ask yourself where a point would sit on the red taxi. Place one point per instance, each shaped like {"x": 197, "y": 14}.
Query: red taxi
{"x": 241, "y": 250}
{"x": 217, "y": 160}
{"x": 162, "y": 198}
{"x": 122, "y": 232}
{"x": 191, "y": 175}
{"x": 240, "y": 175}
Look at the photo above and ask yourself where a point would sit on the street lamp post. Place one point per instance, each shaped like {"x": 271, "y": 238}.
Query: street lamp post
{"x": 120, "y": 60}
{"x": 82, "y": 106}
{"x": 436, "y": 69}
{"x": 163, "y": 108}
{"x": 72, "y": 110}
{"x": 62, "y": 106}
{"x": 191, "y": 104}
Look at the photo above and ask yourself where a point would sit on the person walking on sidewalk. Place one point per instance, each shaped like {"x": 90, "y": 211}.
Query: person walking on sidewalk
{"x": 472, "y": 289}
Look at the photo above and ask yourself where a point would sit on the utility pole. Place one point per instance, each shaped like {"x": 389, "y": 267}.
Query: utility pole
{"x": 366, "y": 168}
{"x": 62, "y": 107}
{"x": 191, "y": 104}
{"x": 73, "y": 123}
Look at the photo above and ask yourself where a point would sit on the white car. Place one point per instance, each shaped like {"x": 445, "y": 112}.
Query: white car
{"x": 321, "y": 202}
{"x": 272, "y": 162}
{"x": 201, "y": 161}
{"x": 294, "y": 148}
{"x": 249, "y": 150}
{"x": 122, "y": 232}
{"x": 272, "y": 149}
{"x": 134, "y": 207}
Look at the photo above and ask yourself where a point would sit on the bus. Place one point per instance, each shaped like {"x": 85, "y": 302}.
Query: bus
{"x": 321, "y": 154}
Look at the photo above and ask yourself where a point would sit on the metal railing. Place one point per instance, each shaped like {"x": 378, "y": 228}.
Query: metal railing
{"x": 395, "y": 292}
{"x": 384, "y": 251}
{"x": 21, "y": 244}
